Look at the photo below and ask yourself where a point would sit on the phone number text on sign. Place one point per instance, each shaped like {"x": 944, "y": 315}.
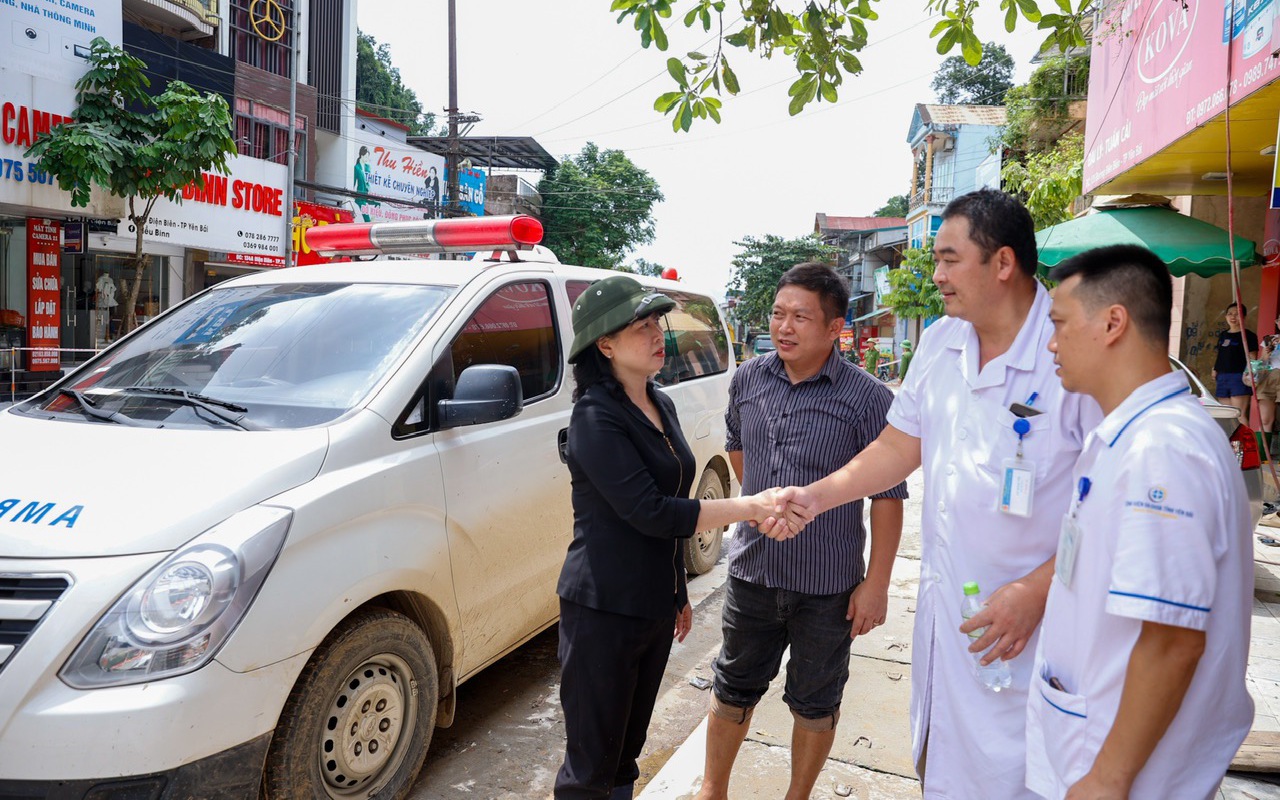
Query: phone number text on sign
{"x": 11, "y": 169}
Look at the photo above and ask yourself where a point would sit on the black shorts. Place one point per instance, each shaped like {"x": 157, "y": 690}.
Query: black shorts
{"x": 760, "y": 623}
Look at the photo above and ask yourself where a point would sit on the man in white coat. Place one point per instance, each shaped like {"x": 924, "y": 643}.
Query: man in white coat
{"x": 997, "y": 435}
{"x": 1139, "y": 682}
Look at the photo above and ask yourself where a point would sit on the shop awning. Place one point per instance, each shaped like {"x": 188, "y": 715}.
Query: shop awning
{"x": 1186, "y": 244}
{"x": 878, "y": 312}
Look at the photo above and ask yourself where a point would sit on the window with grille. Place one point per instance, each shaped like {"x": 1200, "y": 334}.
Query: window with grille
{"x": 247, "y": 45}
{"x": 262, "y": 131}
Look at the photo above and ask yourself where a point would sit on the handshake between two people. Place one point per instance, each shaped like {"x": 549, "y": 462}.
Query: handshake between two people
{"x": 782, "y": 512}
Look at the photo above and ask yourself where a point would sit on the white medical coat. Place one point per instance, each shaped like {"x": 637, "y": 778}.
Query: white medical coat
{"x": 1164, "y": 536}
{"x": 976, "y": 741}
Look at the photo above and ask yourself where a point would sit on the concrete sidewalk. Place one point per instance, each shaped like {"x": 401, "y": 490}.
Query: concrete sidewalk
{"x": 871, "y": 758}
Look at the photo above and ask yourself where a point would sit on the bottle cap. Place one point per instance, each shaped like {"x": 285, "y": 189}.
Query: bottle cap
{"x": 971, "y": 588}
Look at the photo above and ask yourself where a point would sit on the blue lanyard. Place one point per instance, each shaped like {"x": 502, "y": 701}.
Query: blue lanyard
{"x": 1084, "y": 485}
{"x": 1170, "y": 396}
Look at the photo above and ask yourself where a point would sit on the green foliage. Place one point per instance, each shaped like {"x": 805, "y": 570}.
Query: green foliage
{"x": 380, "y": 90}
{"x": 913, "y": 294}
{"x": 1043, "y": 100}
{"x": 958, "y": 81}
{"x": 597, "y": 206}
{"x": 1042, "y": 166}
{"x": 895, "y": 206}
{"x": 821, "y": 37}
{"x": 643, "y": 266}
{"x": 1048, "y": 182}
{"x": 760, "y": 264}
{"x": 140, "y": 156}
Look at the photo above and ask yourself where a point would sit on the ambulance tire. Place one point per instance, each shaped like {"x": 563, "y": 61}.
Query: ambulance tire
{"x": 702, "y": 550}
{"x": 360, "y": 718}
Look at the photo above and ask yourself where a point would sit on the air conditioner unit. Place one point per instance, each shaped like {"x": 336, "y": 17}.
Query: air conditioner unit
{"x": 948, "y": 145}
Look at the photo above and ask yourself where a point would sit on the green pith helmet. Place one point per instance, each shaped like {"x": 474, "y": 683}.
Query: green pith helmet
{"x": 609, "y": 305}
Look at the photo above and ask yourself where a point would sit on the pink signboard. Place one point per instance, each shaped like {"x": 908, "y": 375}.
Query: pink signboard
{"x": 1159, "y": 70}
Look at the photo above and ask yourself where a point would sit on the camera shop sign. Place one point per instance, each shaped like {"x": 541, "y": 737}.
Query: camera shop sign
{"x": 240, "y": 213}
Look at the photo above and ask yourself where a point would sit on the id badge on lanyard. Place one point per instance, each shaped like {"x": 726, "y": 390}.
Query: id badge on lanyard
{"x": 1018, "y": 483}
{"x": 1064, "y": 566}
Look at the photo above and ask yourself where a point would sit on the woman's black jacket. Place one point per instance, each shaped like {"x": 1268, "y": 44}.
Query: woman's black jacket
{"x": 631, "y": 506}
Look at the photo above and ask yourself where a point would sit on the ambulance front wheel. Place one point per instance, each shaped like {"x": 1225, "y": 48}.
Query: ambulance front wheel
{"x": 702, "y": 550}
{"x": 359, "y": 720}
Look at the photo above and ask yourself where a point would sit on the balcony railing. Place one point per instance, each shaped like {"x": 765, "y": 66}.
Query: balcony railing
{"x": 938, "y": 195}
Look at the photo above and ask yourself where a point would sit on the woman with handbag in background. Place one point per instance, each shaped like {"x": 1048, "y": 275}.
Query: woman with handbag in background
{"x": 1237, "y": 346}
{"x": 622, "y": 589}
{"x": 1268, "y": 387}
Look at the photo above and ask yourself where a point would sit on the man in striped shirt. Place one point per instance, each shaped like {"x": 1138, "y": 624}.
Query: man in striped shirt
{"x": 794, "y": 416}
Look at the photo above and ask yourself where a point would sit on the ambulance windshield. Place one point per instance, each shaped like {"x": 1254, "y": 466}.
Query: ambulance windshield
{"x": 255, "y": 357}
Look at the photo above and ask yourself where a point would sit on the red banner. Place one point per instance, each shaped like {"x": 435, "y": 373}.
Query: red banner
{"x": 44, "y": 277}
{"x": 253, "y": 260}
{"x": 309, "y": 215}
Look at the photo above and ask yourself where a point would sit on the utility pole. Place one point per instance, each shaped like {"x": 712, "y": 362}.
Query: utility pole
{"x": 293, "y": 136}
{"x": 451, "y": 163}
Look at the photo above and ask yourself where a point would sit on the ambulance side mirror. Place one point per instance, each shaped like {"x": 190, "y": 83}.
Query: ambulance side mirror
{"x": 484, "y": 393}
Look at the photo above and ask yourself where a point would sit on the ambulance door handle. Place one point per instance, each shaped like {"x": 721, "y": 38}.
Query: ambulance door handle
{"x": 562, "y": 444}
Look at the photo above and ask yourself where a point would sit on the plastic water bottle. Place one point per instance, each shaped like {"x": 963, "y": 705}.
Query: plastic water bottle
{"x": 995, "y": 676}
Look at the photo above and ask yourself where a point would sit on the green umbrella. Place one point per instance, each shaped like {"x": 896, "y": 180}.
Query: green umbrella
{"x": 1186, "y": 244}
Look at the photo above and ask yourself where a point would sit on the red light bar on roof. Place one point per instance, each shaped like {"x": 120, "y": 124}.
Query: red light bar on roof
{"x": 461, "y": 235}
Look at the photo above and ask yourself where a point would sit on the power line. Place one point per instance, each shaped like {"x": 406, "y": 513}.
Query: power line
{"x": 608, "y": 103}
{"x": 789, "y": 78}
{"x": 612, "y": 70}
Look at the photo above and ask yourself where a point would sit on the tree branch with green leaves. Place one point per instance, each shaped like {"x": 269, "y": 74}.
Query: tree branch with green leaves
{"x": 758, "y": 267}
{"x": 597, "y": 207}
{"x": 913, "y": 294}
{"x": 137, "y": 147}
{"x": 821, "y": 37}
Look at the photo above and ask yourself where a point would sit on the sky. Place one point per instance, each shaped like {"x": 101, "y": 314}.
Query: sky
{"x": 566, "y": 73}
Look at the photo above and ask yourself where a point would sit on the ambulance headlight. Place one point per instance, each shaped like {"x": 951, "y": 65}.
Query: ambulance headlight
{"x": 175, "y": 618}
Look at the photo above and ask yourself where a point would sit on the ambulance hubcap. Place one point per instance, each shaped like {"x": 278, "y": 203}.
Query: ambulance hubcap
{"x": 362, "y": 735}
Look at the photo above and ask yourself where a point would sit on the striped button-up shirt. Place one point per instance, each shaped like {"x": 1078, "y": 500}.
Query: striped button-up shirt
{"x": 791, "y": 435}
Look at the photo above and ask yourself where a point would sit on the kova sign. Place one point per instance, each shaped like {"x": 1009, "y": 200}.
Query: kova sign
{"x": 1159, "y": 72}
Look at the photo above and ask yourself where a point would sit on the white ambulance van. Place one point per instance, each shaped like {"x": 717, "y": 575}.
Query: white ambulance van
{"x": 257, "y": 544}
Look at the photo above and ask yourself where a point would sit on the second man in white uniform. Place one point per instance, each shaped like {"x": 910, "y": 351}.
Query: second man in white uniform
{"x": 985, "y": 414}
{"x": 1139, "y": 685}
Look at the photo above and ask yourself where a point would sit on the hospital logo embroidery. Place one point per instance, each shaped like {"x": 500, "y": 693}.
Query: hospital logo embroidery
{"x": 1154, "y": 503}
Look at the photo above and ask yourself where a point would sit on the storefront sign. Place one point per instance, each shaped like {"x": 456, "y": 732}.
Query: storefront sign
{"x": 471, "y": 186}
{"x": 51, "y": 39}
{"x": 73, "y": 237}
{"x": 248, "y": 260}
{"x": 883, "y": 287}
{"x": 44, "y": 275}
{"x": 310, "y": 215}
{"x": 1160, "y": 70}
{"x": 240, "y": 213}
{"x": 391, "y": 169}
{"x": 43, "y": 54}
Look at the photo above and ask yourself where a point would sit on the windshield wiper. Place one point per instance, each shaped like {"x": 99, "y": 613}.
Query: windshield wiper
{"x": 90, "y": 410}
{"x": 211, "y": 405}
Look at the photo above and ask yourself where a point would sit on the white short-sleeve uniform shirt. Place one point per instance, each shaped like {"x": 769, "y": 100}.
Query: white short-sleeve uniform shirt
{"x": 1163, "y": 537}
{"x": 976, "y": 742}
